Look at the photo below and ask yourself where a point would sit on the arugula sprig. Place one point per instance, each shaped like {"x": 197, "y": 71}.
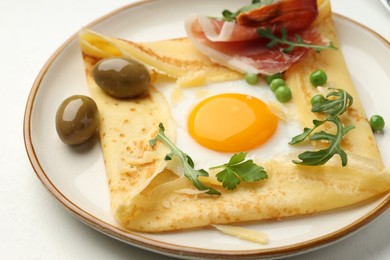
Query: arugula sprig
{"x": 335, "y": 104}
{"x": 275, "y": 40}
{"x": 230, "y": 16}
{"x": 237, "y": 170}
{"x": 188, "y": 164}
{"x": 320, "y": 157}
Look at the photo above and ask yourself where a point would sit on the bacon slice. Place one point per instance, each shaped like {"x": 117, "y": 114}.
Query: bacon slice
{"x": 240, "y": 47}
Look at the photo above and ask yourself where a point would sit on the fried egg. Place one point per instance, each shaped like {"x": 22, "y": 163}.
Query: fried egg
{"x": 217, "y": 120}
{"x": 231, "y": 122}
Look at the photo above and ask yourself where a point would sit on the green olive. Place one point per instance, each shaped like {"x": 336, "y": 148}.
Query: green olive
{"x": 121, "y": 77}
{"x": 77, "y": 119}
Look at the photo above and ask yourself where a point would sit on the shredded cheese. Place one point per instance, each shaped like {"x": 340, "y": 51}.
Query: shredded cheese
{"x": 243, "y": 233}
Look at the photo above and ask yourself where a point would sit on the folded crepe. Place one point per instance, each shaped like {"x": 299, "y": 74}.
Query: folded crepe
{"x": 147, "y": 196}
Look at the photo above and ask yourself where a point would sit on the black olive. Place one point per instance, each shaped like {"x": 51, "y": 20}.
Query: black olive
{"x": 77, "y": 119}
{"x": 121, "y": 77}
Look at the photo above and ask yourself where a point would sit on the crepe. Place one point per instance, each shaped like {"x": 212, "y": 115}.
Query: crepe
{"x": 130, "y": 162}
{"x": 146, "y": 196}
{"x": 362, "y": 141}
{"x": 184, "y": 63}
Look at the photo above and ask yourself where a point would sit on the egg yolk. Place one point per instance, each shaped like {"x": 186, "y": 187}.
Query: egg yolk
{"x": 231, "y": 123}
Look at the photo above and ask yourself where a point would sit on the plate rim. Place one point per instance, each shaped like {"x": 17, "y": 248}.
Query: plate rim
{"x": 135, "y": 239}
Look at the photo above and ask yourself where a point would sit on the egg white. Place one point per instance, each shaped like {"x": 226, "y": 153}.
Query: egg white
{"x": 183, "y": 100}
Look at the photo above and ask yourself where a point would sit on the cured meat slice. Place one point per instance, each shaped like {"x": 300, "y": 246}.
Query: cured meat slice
{"x": 223, "y": 31}
{"x": 236, "y": 44}
{"x": 294, "y": 15}
{"x": 240, "y": 47}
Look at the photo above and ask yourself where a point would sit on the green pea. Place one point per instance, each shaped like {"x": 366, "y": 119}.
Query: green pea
{"x": 251, "y": 78}
{"x": 318, "y": 78}
{"x": 283, "y": 94}
{"x": 275, "y": 83}
{"x": 317, "y": 99}
{"x": 272, "y": 77}
{"x": 377, "y": 123}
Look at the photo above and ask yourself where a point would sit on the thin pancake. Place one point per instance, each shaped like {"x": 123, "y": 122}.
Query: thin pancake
{"x": 289, "y": 191}
{"x": 125, "y": 128}
{"x": 185, "y": 63}
{"x": 361, "y": 140}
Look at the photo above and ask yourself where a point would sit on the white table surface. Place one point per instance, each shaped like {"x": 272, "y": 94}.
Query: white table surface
{"x": 33, "y": 225}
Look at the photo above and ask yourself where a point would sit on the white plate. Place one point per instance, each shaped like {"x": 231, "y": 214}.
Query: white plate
{"x": 76, "y": 176}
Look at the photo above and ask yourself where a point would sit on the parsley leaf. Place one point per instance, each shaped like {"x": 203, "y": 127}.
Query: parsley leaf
{"x": 335, "y": 104}
{"x": 320, "y": 157}
{"x": 188, "y": 164}
{"x": 275, "y": 40}
{"x": 237, "y": 170}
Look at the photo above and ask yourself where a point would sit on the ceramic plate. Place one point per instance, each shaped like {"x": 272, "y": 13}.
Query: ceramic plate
{"x": 76, "y": 176}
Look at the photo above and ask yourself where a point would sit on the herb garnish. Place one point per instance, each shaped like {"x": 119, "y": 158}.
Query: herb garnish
{"x": 230, "y": 16}
{"x": 233, "y": 172}
{"x": 335, "y": 104}
{"x": 335, "y": 107}
{"x": 237, "y": 170}
{"x": 275, "y": 40}
{"x": 186, "y": 160}
{"x": 320, "y": 157}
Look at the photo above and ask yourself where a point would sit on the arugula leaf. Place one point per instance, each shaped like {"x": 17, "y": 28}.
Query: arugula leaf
{"x": 232, "y": 16}
{"x": 275, "y": 40}
{"x": 237, "y": 170}
{"x": 188, "y": 164}
{"x": 229, "y": 16}
{"x": 306, "y": 132}
{"x": 320, "y": 157}
{"x": 335, "y": 104}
